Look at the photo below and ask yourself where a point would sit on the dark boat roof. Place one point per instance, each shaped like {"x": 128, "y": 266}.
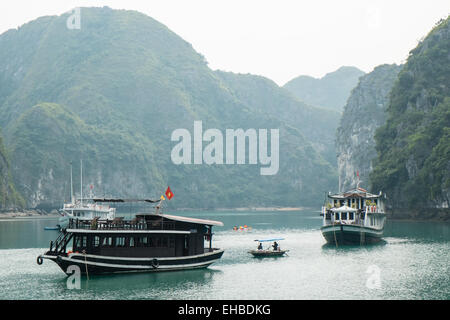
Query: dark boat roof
{"x": 185, "y": 219}
{"x": 120, "y": 200}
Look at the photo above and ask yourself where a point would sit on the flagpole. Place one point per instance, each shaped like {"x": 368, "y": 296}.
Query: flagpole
{"x": 71, "y": 184}
{"x": 357, "y": 175}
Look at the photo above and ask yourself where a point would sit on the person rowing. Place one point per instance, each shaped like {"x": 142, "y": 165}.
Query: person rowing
{"x": 275, "y": 246}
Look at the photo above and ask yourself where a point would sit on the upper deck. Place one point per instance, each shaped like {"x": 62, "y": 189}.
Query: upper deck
{"x": 143, "y": 222}
{"x": 358, "y": 198}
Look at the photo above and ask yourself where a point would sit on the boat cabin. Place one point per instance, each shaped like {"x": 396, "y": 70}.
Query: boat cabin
{"x": 147, "y": 235}
{"x": 356, "y": 206}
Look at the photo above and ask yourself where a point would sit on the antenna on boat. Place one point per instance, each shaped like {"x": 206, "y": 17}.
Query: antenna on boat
{"x": 358, "y": 181}
{"x": 81, "y": 182}
{"x": 71, "y": 184}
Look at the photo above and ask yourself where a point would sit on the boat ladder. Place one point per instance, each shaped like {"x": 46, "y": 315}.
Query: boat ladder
{"x": 60, "y": 244}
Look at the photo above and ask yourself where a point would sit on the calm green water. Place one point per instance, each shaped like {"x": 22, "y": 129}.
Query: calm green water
{"x": 413, "y": 263}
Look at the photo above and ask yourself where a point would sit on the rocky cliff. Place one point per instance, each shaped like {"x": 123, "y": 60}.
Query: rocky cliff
{"x": 363, "y": 114}
{"x": 413, "y": 163}
{"x": 10, "y": 199}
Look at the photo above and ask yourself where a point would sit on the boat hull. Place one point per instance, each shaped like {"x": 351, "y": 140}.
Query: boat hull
{"x": 95, "y": 264}
{"x": 351, "y": 234}
{"x": 267, "y": 253}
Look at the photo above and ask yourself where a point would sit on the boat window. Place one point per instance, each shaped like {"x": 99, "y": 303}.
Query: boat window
{"x": 107, "y": 242}
{"x": 171, "y": 242}
{"x": 344, "y": 216}
{"x": 120, "y": 241}
{"x": 164, "y": 242}
{"x": 131, "y": 242}
{"x": 351, "y": 215}
{"x": 337, "y": 216}
{"x": 84, "y": 241}
{"x": 328, "y": 216}
{"x": 96, "y": 241}
{"x": 76, "y": 242}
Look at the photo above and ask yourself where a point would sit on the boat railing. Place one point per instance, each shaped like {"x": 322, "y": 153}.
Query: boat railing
{"x": 358, "y": 219}
{"x": 118, "y": 224}
{"x": 373, "y": 209}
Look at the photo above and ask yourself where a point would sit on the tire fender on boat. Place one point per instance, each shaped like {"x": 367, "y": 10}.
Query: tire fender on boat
{"x": 155, "y": 263}
{"x": 39, "y": 260}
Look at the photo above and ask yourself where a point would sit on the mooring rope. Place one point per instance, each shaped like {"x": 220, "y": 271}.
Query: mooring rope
{"x": 85, "y": 264}
{"x": 334, "y": 232}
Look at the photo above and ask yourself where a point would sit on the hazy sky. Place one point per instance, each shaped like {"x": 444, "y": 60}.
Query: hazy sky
{"x": 277, "y": 39}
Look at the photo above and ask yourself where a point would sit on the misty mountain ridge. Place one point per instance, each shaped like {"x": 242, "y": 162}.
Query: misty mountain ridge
{"x": 331, "y": 91}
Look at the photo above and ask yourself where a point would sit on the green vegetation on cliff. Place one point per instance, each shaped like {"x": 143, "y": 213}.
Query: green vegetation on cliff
{"x": 413, "y": 164}
{"x": 9, "y": 197}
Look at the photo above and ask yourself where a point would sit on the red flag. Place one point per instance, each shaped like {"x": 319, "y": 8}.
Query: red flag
{"x": 169, "y": 193}
{"x": 357, "y": 174}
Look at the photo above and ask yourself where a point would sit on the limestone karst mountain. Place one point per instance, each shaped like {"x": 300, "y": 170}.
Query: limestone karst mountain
{"x": 112, "y": 92}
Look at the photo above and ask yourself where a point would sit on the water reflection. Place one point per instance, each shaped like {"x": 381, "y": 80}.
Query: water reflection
{"x": 172, "y": 280}
{"x": 333, "y": 247}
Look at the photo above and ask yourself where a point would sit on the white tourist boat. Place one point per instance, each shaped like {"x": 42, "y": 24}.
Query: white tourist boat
{"x": 84, "y": 209}
{"x": 353, "y": 217}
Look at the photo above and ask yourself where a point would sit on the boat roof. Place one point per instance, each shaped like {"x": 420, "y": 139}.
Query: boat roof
{"x": 355, "y": 193}
{"x": 267, "y": 240}
{"x": 344, "y": 209}
{"x": 184, "y": 219}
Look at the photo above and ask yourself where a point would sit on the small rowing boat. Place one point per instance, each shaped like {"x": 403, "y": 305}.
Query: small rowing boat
{"x": 260, "y": 252}
{"x": 267, "y": 253}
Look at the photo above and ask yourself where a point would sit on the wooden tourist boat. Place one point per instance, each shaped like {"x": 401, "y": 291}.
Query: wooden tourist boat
{"x": 150, "y": 242}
